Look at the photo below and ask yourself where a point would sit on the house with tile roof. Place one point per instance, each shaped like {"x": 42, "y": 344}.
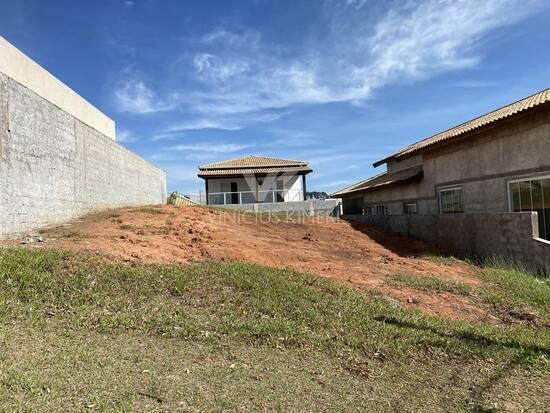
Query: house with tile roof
{"x": 496, "y": 163}
{"x": 254, "y": 179}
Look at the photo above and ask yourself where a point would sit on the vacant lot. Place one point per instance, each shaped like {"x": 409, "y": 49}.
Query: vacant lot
{"x": 100, "y": 320}
{"x": 357, "y": 256}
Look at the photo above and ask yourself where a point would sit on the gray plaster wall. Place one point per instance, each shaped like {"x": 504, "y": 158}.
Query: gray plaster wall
{"x": 329, "y": 207}
{"x": 511, "y": 236}
{"x": 54, "y": 167}
{"x": 482, "y": 164}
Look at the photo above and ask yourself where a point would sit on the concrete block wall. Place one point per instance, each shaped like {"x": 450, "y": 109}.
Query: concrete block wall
{"x": 54, "y": 167}
{"x": 329, "y": 207}
{"x": 511, "y": 236}
{"x": 482, "y": 164}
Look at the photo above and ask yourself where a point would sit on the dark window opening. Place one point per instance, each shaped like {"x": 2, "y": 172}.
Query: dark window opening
{"x": 533, "y": 195}
{"x": 451, "y": 201}
{"x": 410, "y": 209}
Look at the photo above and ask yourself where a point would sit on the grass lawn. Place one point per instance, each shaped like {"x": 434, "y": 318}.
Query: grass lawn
{"x": 79, "y": 334}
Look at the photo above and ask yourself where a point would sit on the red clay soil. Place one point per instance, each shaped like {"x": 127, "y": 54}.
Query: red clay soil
{"x": 350, "y": 253}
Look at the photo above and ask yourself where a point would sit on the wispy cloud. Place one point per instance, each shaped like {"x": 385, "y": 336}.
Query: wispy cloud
{"x": 125, "y": 136}
{"x": 360, "y": 49}
{"x": 210, "y": 147}
{"x": 228, "y": 123}
{"x": 248, "y": 38}
{"x": 134, "y": 96}
{"x": 199, "y": 124}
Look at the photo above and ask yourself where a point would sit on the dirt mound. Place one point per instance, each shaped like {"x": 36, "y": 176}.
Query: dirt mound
{"x": 350, "y": 253}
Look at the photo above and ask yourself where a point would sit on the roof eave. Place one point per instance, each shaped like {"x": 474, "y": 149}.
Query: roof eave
{"x": 239, "y": 174}
{"x": 377, "y": 187}
{"x": 281, "y": 165}
{"x": 382, "y": 161}
{"x": 404, "y": 153}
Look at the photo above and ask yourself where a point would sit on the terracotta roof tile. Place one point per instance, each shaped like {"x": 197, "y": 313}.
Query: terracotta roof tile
{"x": 491, "y": 117}
{"x": 253, "y": 160}
{"x": 252, "y": 171}
{"x": 252, "y": 164}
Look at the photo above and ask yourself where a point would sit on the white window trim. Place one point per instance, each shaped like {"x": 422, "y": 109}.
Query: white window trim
{"x": 449, "y": 188}
{"x": 415, "y": 207}
{"x": 519, "y": 180}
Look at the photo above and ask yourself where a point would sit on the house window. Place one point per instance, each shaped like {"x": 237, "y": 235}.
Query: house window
{"x": 381, "y": 210}
{"x": 280, "y": 192}
{"x": 367, "y": 211}
{"x": 410, "y": 209}
{"x": 451, "y": 201}
{"x": 533, "y": 195}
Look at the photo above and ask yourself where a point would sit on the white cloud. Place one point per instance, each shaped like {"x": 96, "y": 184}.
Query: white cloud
{"x": 134, "y": 96}
{"x": 125, "y": 136}
{"x": 249, "y": 39}
{"x": 210, "y": 147}
{"x": 199, "y": 124}
{"x": 360, "y": 53}
{"x": 209, "y": 67}
{"x": 356, "y": 3}
{"x": 129, "y": 3}
{"x": 229, "y": 123}
{"x": 358, "y": 48}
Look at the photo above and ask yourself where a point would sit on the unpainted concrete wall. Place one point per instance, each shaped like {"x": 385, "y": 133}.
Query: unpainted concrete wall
{"x": 16, "y": 65}
{"x": 329, "y": 207}
{"x": 511, "y": 236}
{"x": 54, "y": 167}
{"x": 482, "y": 164}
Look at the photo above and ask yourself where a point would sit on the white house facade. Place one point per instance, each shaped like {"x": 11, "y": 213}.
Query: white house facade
{"x": 254, "y": 179}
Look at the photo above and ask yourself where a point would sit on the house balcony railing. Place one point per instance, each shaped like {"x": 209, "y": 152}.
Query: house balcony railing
{"x": 253, "y": 197}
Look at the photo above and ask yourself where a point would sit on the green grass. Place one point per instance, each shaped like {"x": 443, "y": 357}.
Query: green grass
{"x": 513, "y": 288}
{"x": 512, "y": 293}
{"x": 77, "y": 334}
{"x": 429, "y": 283}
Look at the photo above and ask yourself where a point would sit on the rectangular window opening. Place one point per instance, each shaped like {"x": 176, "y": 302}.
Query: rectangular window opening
{"x": 451, "y": 201}
{"x": 533, "y": 194}
{"x": 410, "y": 209}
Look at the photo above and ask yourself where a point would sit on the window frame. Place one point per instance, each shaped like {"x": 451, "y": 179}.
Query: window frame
{"x": 530, "y": 179}
{"x": 384, "y": 209}
{"x": 406, "y": 205}
{"x": 519, "y": 180}
{"x": 449, "y": 189}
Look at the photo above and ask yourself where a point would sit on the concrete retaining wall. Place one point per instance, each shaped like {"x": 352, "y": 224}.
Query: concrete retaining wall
{"x": 330, "y": 207}
{"x": 54, "y": 167}
{"x": 512, "y": 236}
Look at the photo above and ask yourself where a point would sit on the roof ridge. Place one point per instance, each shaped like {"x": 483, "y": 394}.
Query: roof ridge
{"x": 485, "y": 114}
{"x": 473, "y": 120}
{"x": 267, "y": 162}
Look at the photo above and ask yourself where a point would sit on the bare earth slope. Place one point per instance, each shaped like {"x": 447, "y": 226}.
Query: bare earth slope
{"x": 357, "y": 255}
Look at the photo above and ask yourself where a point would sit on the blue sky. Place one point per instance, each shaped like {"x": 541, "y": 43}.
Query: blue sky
{"x": 340, "y": 83}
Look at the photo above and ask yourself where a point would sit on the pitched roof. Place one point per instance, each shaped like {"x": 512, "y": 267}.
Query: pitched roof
{"x": 509, "y": 110}
{"x": 252, "y": 160}
{"x": 252, "y": 164}
{"x": 382, "y": 180}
